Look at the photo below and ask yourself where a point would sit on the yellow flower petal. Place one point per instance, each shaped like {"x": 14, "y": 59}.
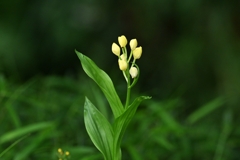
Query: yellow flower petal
{"x": 122, "y": 64}
{"x": 137, "y": 53}
{"x": 116, "y": 49}
{"x": 133, "y": 44}
{"x": 122, "y": 40}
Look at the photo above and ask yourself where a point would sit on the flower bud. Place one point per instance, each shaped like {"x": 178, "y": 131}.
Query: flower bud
{"x": 133, "y": 72}
{"x": 137, "y": 52}
{"x": 133, "y": 44}
{"x": 123, "y": 57}
{"x": 122, "y": 63}
{"x": 122, "y": 40}
{"x": 116, "y": 49}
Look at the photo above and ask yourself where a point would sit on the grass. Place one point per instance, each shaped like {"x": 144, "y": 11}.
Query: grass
{"x": 46, "y": 113}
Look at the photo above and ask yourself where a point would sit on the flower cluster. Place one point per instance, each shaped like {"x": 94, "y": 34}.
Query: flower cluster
{"x": 123, "y": 59}
{"x": 63, "y": 155}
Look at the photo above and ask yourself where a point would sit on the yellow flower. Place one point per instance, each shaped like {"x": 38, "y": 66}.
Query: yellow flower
{"x": 122, "y": 40}
{"x": 133, "y": 44}
{"x": 133, "y": 72}
{"x": 123, "y": 57}
{"x": 67, "y": 153}
{"x": 116, "y": 49}
{"x": 122, "y": 62}
{"x": 137, "y": 52}
{"x": 60, "y": 150}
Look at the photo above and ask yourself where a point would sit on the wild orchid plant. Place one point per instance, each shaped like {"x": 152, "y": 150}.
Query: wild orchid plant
{"x": 107, "y": 136}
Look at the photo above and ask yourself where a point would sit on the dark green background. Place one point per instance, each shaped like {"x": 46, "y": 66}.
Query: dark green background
{"x": 191, "y": 56}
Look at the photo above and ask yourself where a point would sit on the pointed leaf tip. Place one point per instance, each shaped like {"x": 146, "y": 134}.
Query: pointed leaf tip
{"x": 104, "y": 82}
{"x": 79, "y": 54}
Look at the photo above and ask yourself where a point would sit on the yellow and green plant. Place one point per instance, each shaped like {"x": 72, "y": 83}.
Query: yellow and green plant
{"x": 107, "y": 136}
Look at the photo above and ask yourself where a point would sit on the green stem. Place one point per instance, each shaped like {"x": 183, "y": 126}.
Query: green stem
{"x": 130, "y": 56}
{"x": 128, "y": 96}
{"x": 133, "y": 62}
{"x": 124, "y": 74}
{"x": 128, "y": 90}
{"x": 124, "y": 51}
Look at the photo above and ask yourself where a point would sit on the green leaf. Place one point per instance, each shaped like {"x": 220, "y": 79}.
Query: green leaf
{"x": 104, "y": 82}
{"x": 24, "y": 130}
{"x": 38, "y": 140}
{"x": 122, "y": 122}
{"x": 99, "y": 129}
{"x": 205, "y": 110}
{"x": 167, "y": 118}
{"x": 12, "y": 145}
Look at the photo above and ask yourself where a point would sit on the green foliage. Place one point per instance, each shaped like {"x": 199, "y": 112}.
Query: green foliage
{"x": 106, "y": 138}
{"x": 204, "y": 110}
{"x": 104, "y": 82}
{"x": 11, "y": 146}
{"x": 40, "y": 110}
{"x": 160, "y": 130}
{"x": 121, "y": 123}
{"x": 99, "y": 129}
{"x": 191, "y": 70}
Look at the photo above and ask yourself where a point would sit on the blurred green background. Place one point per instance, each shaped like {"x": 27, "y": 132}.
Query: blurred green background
{"x": 190, "y": 66}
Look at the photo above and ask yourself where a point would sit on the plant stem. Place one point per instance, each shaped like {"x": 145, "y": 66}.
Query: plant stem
{"x": 133, "y": 62}
{"x": 128, "y": 90}
{"x": 130, "y": 56}
{"x": 128, "y": 96}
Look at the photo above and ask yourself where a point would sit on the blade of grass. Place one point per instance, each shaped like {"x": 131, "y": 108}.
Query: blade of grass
{"x": 14, "y": 96}
{"x": 24, "y": 130}
{"x": 205, "y": 110}
{"x": 37, "y": 139}
{"x": 12, "y": 145}
{"x": 162, "y": 141}
{"x": 167, "y": 118}
{"x": 227, "y": 121}
{"x": 133, "y": 152}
